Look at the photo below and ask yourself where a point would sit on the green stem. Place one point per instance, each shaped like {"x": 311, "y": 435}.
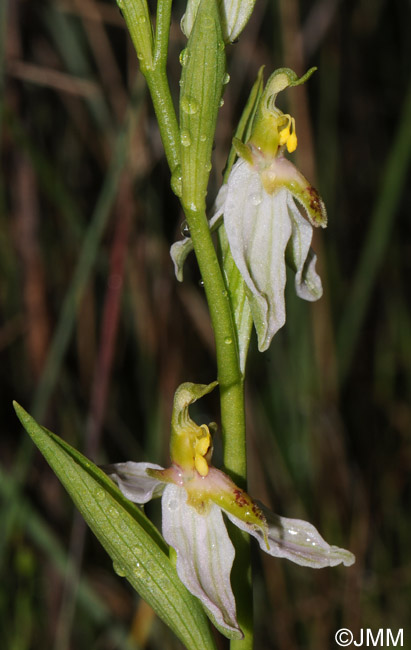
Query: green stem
{"x": 231, "y": 385}
{"x": 231, "y": 382}
{"x": 162, "y": 31}
{"x": 164, "y": 109}
{"x": 152, "y": 55}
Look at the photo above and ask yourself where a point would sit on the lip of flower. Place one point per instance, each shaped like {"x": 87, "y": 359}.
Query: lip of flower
{"x": 192, "y": 521}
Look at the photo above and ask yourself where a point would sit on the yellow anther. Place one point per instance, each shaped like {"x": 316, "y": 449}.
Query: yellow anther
{"x": 292, "y": 143}
{"x": 201, "y": 465}
{"x": 202, "y": 446}
{"x": 284, "y": 136}
{"x": 287, "y": 135}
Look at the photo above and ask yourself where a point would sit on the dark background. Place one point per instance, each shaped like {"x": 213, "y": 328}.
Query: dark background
{"x": 96, "y": 334}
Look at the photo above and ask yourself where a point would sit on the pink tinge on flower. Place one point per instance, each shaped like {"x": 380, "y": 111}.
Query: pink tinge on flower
{"x": 192, "y": 507}
{"x": 193, "y": 503}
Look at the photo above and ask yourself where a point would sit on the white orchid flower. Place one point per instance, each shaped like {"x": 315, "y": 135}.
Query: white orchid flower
{"x": 264, "y": 203}
{"x": 234, "y": 15}
{"x": 268, "y": 208}
{"x": 195, "y": 496}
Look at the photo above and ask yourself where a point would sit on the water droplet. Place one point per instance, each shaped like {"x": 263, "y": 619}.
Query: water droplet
{"x": 172, "y": 505}
{"x": 142, "y": 19}
{"x": 226, "y": 78}
{"x": 201, "y": 283}
{"x": 119, "y": 569}
{"x": 184, "y": 56}
{"x": 225, "y": 293}
{"x": 137, "y": 550}
{"x": 221, "y": 102}
{"x": 185, "y": 230}
{"x": 140, "y": 56}
{"x": 120, "y": 4}
{"x": 100, "y": 495}
{"x": 255, "y": 198}
{"x": 177, "y": 181}
{"x": 228, "y": 340}
{"x": 207, "y": 167}
{"x": 113, "y": 513}
{"x": 189, "y": 105}
{"x": 185, "y": 138}
{"x": 203, "y": 137}
{"x": 138, "y": 570}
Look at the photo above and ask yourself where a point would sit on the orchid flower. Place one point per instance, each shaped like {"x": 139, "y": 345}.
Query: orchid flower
{"x": 264, "y": 204}
{"x": 194, "y": 497}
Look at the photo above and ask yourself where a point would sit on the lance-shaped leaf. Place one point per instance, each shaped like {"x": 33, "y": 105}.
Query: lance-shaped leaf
{"x": 137, "y": 549}
{"x": 201, "y": 88}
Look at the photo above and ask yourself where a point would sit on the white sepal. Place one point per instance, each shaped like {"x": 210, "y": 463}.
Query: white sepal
{"x": 295, "y": 540}
{"x": 205, "y": 555}
{"x": 134, "y": 482}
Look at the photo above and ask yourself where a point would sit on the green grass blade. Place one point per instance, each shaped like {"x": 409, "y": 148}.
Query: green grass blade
{"x": 377, "y": 239}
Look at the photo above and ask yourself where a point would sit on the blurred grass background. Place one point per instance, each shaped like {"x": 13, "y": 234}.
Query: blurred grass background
{"x": 95, "y": 333}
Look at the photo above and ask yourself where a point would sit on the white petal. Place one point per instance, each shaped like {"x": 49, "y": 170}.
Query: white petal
{"x": 258, "y": 228}
{"x": 300, "y": 256}
{"x": 296, "y": 540}
{"x": 178, "y": 252}
{"x": 205, "y": 555}
{"x": 134, "y": 482}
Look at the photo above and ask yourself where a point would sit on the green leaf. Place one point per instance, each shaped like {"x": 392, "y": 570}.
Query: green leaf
{"x": 201, "y": 87}
{"x": 137, "y": 549}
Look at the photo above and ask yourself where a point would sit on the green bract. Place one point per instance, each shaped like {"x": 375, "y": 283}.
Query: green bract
{"x": 202, "y": 77}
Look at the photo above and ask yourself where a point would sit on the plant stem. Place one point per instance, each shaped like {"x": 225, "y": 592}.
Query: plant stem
{"x": 164, "y": 109}
{"x": 231, "y": 381}
{"x": 231, "y": 385}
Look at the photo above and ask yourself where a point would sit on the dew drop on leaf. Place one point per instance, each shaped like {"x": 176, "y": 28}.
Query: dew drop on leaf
{"x": 184, "y": 56}
{"x": 100, "y": 495}
{"x": 119, "y": 569}
{"x": 189, "y": 105}
{"x": 177, "y": 181}
{"x": 185, "y": 138}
